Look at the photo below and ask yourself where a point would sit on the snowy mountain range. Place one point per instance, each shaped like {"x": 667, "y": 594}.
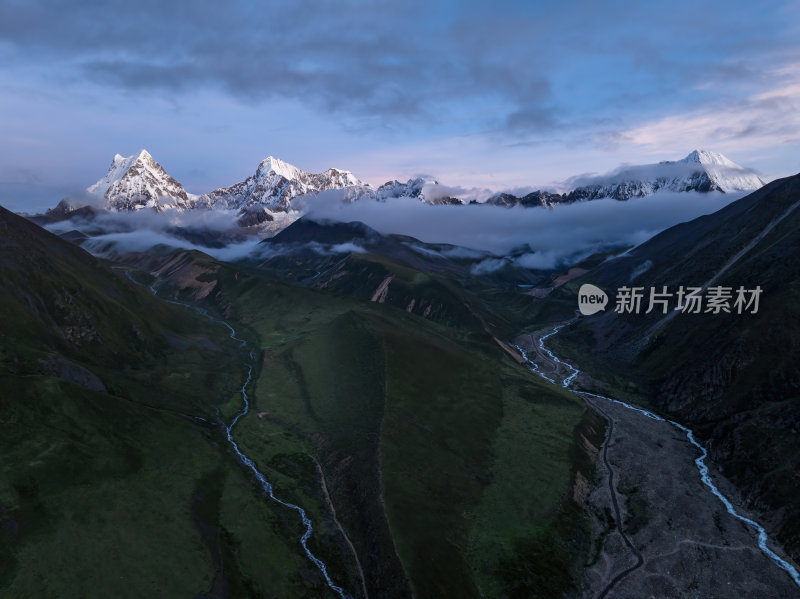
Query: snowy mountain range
{"x": 138, "y": 182}
{"x": 701, "y": 171}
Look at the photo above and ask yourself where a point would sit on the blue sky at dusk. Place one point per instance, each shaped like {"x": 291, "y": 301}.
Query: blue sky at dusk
{"x": 499, "y": 95}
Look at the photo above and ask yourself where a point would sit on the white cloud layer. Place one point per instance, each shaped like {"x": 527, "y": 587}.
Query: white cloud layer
{"x": 536, "y": 238}
{"x": 555, "y": 237}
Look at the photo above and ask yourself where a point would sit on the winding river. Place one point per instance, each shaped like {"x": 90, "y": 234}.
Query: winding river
{"x": 268, "y": 489}
{"x": 266, "y": 486}
{"x": 699, "y": 462}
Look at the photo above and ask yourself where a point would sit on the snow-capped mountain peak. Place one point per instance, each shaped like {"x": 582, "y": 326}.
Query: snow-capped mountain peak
{"x": 344, "y": 178}
{"x": 138, "y": 181}
{"x": 276, "y": 183}
{"x": 277, "y": 166}
{"x": 119, "y": 166}
{"x": 701, "y": 170}
{"x": 708, "y": 158}
{"x": 724, "y": 174}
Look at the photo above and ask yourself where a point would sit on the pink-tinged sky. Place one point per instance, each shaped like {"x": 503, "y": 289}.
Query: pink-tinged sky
{"x": 502, "y": 95}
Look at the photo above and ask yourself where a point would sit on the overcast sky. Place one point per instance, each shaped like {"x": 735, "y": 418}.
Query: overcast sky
{"x": 497, "y": 95}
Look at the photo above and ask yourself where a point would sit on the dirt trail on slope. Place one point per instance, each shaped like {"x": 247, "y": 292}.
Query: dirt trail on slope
{"x": 338, "y": 524}
{"x": 621, "y": 526}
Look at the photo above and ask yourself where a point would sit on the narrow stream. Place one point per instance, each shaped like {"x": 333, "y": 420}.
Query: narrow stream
{"x": 574, "y": 371}
{"x": 700, "y": 461}
{"x": 266, "y": 486}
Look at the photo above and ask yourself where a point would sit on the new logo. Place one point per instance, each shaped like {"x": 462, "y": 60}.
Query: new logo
{"x": 591, "y": 299}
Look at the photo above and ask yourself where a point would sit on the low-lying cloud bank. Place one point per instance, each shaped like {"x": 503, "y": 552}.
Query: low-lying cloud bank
{"x": 536, "y": 238}
{"x": 555, "y": 237}
{"x": 211, "y": 231}
{"x": 140, "y": 241}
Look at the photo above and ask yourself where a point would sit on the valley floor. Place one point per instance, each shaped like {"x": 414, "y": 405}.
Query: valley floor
{"x": 690, "y": 546}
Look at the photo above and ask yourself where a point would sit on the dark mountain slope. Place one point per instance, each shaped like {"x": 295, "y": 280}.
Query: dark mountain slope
{"x": 115, "y": 479}
{"x": 305, "y": 230}
{"x": 732, "y": 376}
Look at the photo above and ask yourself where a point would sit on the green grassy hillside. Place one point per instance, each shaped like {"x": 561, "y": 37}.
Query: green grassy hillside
{"x": 430, "y": 463}
{"x": 115, "y": 479}
{"x": 446, "y": 462}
